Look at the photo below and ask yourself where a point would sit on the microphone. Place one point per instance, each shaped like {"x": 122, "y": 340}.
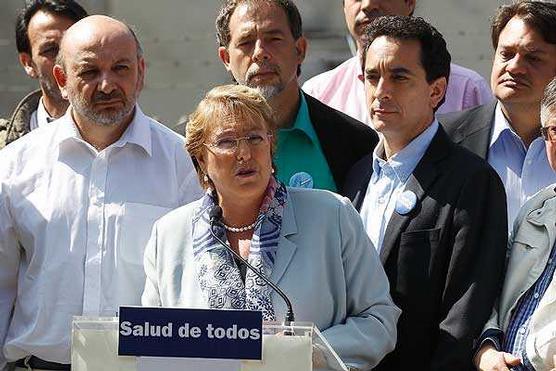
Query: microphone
{"x": 215, "y": 217}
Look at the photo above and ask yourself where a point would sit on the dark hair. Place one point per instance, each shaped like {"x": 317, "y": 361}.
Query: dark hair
{"x": 63, "y": 8}
{"x": 539, "y": 15}
{"x": 229, "y": 6}
{"x": 435, "y": 57}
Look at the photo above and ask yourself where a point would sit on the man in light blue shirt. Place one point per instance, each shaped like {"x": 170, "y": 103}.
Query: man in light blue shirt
{"x": 506, "y": 132}
{"x": 435, "y": 211}
{"x": 388, "y": 182}
{"x": 524, "y": 169}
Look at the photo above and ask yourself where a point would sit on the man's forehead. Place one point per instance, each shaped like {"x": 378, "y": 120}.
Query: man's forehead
{"x": 97, "y": 44}
{"x": 517, "y": 30}
{"x": 254, "y": 16}
{"x": 48, "y": 25}
{"x": 384, "y": 47}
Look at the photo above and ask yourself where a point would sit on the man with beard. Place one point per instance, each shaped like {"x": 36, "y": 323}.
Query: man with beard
{"x": 342, "y": 87}
{"x": 78, "y": 198}
{"x": 38, "y": 30}
{"x": 506, "y": 132}
{"x": 262, "y": 46}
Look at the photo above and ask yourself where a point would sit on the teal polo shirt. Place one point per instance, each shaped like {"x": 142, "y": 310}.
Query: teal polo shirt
{"x": 299, "y": 150}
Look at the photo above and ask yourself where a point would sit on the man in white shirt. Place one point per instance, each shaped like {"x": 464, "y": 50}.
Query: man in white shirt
{"x": 342, "y": 88}
{"x": 79, "y": 196}
{"x": 39, "y": 28}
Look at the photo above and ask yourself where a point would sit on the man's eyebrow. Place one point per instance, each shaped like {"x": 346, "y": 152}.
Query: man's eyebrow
{"x": 49, "y": 44}
{"x": 394, "y": 70}
{"x": 401, "y": 71}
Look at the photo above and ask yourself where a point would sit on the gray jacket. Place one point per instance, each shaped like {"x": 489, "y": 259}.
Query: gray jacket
{"x": 19, "y": 123}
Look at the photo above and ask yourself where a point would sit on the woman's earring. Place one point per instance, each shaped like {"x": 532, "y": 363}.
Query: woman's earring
{"x": 205, "y": 178}
{"x": 272, "y": 171}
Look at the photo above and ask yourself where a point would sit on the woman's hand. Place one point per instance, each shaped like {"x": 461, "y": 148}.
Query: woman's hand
{"x": 490, "y": 359}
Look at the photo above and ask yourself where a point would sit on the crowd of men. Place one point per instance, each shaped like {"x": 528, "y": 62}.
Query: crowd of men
{"x": 455, "y": 185}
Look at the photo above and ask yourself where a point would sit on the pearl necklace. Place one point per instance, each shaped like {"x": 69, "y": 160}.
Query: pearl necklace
{"x": 240, "y": 229}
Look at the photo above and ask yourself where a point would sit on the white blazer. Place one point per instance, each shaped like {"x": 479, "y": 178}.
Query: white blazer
{"x": 532, "y": 240}
{"x": 325, "y": 263}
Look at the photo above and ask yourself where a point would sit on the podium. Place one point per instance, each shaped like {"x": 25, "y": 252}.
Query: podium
{"x": 299, "y": 347}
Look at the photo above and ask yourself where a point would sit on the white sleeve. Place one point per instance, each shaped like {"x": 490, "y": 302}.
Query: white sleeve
{"x": 9, "y": 265}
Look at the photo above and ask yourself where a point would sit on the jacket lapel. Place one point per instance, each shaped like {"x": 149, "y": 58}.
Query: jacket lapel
{"x": 357, "y": 188}
{"x": 286, "y": 248}
{"x": 474, "y": 133}
{"x": 419, "y": 182}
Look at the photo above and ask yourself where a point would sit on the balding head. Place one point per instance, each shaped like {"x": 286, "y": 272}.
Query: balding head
{"x": 100, "y": 70}
{"x": 96, "y": 28}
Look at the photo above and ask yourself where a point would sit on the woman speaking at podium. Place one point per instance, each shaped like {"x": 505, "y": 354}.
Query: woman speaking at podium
{"x": 311, "y": 243}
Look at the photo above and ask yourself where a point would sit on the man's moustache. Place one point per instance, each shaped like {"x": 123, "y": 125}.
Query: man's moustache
{"x": 103, "y": 97}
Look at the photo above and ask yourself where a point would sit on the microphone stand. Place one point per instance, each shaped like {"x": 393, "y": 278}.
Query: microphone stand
{"x": 215, "y": 216}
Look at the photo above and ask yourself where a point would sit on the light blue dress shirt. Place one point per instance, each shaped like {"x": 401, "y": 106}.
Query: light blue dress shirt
{"x": 388, "y": 182}
{"x": 524, "y": 171}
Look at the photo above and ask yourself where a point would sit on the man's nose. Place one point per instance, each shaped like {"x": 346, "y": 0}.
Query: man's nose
{"x": 106, "y": 83}
{"x": 516, "y": 65}
{"x": 261, "y": 52}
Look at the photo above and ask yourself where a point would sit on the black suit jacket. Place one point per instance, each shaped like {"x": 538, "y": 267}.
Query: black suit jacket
{"x": 343, "y": 139}
{"x": 471, "y": 128}
{"x": 444, "y": 259}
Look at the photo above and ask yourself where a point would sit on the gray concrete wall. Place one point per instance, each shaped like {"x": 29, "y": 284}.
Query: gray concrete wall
{"x": 178, "y": 38}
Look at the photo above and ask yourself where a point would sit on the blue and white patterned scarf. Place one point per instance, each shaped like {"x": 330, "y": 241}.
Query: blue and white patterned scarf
{"x": 218, "y": 274}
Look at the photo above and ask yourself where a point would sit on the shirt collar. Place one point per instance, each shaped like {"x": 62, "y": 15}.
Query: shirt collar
{"x": 42, "y": 114}
{"x": 303, "y": 121}
{"x": 404, "y": 162}
{"x": 501, "y": 124}
{"x": 138, "y": 132}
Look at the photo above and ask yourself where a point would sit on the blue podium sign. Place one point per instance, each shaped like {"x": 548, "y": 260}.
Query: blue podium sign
{"x": 190, "y": 333}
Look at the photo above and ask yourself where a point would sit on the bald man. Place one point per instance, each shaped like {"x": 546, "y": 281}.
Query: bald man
{"x": 78, "y": 198}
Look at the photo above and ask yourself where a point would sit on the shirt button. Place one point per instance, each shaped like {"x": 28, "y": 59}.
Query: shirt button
{"x": 536, "y": 296}
{"x": 380, "y": 200}
{"x": 522, "y": 330}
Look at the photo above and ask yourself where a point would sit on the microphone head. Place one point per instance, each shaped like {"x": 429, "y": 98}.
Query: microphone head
{"x": 215, "y": 214}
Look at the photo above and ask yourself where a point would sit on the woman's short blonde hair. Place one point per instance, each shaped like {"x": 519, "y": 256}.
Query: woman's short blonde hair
{"x": 219, "y": 105}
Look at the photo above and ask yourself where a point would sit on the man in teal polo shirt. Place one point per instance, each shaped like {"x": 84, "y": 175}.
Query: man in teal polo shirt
{"x": 262, "y": 46}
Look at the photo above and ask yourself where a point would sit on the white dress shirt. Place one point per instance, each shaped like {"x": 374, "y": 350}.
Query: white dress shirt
{"x": 40, "y": 117}
{"x": 388, "y": 182}
{"x": 524, "y": 171}
{"x": 74, "y": 223}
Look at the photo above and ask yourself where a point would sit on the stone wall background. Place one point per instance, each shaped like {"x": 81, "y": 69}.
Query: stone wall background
{"x": 180, "y": 48}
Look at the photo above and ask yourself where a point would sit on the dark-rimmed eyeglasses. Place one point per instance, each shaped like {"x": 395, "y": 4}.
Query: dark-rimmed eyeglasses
{"x": 229, "y": 145}
{"x": 549, "y": 133}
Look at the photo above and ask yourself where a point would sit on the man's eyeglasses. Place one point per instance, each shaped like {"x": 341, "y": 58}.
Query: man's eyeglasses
{"x": 229, "y": 145}
{"x": 549, "y": 133}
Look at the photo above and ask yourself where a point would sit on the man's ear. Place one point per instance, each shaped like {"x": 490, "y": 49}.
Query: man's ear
{"x": 27, "y": 62}
{"x": 141, "y": 70}
{"x": 224, "y": 56}
{"x": 61, "y": 80}
{"x": 410, "y": 4}
{"x": 437, "y": 91}
{"x": 301, "y": 46}
{"x": 361, "y": 77}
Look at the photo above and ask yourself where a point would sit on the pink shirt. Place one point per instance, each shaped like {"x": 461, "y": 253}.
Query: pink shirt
{"x": 340, "y": 88}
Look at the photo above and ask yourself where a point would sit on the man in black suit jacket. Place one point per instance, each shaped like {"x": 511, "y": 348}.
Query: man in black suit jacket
{"x": 261, "y": 45}
{"x": 435, "y": 211}
{"x": 506, "y": 132}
